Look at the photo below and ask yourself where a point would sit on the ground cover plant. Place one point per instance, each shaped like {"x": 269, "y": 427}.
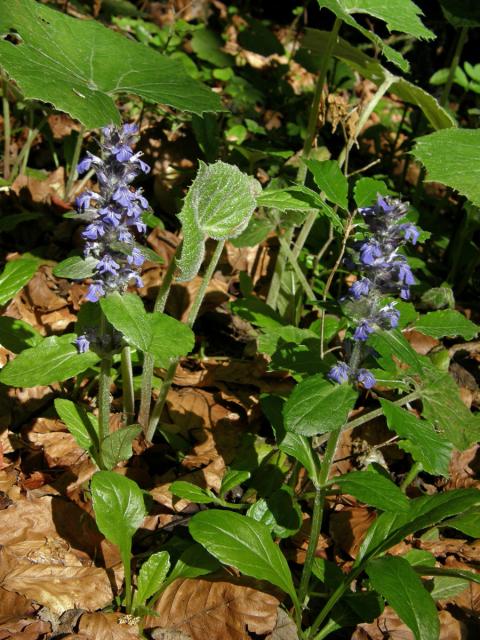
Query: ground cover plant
{"x": 239, "y": 358}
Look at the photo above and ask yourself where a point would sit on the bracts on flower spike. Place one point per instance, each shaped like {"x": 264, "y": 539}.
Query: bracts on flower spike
{"x": 384, "y": 271}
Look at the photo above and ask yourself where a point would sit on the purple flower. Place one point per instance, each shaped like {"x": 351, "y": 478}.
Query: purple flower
{"x": 405, "y": 274}
{"x": 340, "y": 372}
{"x": 83, "y": 343}
{"x": 389, "y": 316}
{"x": 365, "y": 377}
{"x": 360, "y": 288}
{"x": 363, "y": 330}
{"x": 411, "y": 233}
{"x": 370, "y": 252}
{"x": 114, "y": 209}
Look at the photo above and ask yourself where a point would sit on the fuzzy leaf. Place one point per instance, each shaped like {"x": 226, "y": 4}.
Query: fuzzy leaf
{"x": 75, "y": 268}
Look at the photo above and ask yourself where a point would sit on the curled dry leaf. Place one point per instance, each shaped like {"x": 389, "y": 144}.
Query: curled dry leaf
{"x": 109, "y": 626}
{"x": 389, "y": 625}
{"x": 285, "y": 628}
{"x": 464, "y": 469}
{"x": 14, "y": 605}
{"x": 214, "y": 610}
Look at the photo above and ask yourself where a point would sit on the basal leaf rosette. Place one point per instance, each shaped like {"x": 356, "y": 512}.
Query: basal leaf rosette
{"x": 218, "y": 205}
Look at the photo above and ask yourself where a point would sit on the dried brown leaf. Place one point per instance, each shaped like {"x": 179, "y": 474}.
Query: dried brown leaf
{"x": 348, "y": 528}
{"x": 109, "y": 626}
{"x": 214, "y": 610}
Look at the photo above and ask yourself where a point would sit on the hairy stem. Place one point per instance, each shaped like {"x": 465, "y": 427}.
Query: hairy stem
{"x": 296, "y": 267}
{"x": 192, "y": 316}
{"x": 104, "y": 382}
{"x": 317, "y": 517}
{"x": 411, "y": 475}
{"x": 149, "y": 361}
{"x": 72, "y": 176}
{"x": 6, "y": 127}
{"x": 127, "y": 385}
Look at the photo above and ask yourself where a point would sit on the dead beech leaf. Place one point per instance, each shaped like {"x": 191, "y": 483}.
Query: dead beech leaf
{"x": 108, "y": 626}
{"x": 469, "y": 551}
{"x": 464, "y": 469}
{"x": 420, "y": 342}
{"x": 348, "y": 528}
{"x": 40, "y": 292}
{"x": 31, "y": 190}
{"x": 14, "y": 605}
{"x": 59, "y": 446}
{"x": 214, "y": 610}
{"x": 285, "y": 628}
{"x": 25, "y": 629}
{"x": 469, "y": 598}
{"x": 56, "y": 586}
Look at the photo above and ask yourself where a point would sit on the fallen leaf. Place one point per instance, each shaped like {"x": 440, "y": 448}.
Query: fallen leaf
{"x": 285, "y": 627}
{"x": 14, "y": 605}
{"x": 109, "y": 626}
{"x": 348, "y": 528}
{"x": 214, "y": 610}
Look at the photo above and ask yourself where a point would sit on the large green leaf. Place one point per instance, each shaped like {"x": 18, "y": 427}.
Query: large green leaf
{"x": 79, "y": 65}
{"x": 443, "y": 407}
{"x": 117, "y": 446}
{"x": 374, "y": 489}
{"x": 399, "y": 15}
{"x": 452, "y": 157}
{"x": 468, "y": 523}
{"x": 419, "y": 438}
{"x": 152, "y": 574}
{"x": 317, "y": 42}
{"x": 53, "y": 360}
{"x": 119, "y": 509}
{"x": 15, "y": 276}
{"x": 244, "y": 544}
{"x": 447, "y": 322}
{"x": 154, "y": 333}
{"x": 392, "y": 343}
{"x": 190, "y": 491}
{"x": 318, "y": 406}
{"x": 195, "y": 561}
{"x": 395, "y": 579}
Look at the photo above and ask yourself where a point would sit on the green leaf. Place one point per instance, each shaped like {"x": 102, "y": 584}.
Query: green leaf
{"x": 461, "y": 13}
{"x": 117, "y": 446}
{"x": 293, "y": 444}
{"x": 395, "y": 579}
{"x": 317, "y": 406}
{"x": 419, "y": 438}
{"x": 388, "y": 343}
{"x": 448, "y": 587}
{"x": 152, "y": 574}
{"x": 255, "y": 233}
{"x": 53, "y": 360}
{"x": 391, "y": 528}
{"x": 448, "y": 322}
{"x": 244, "y": 544}
{"x": 82, "y": 425}
{"x": 191, "y": 492}
{"x": 9, "y": 222}
{"x": 17, "y": 335}
{"x": 329, "y": 178}
{"x": 367, "y": 189}
{"x": 317, "y": 42}
{"x": 170, "y": 338}
{"x": 452, "y": 157}
{"x": 127, "y": 314}
{"x": 207, "y": 45}
{"x": 195, "y": 561}
{"x": 16, "y": 275}
{"x": 76, "y": 268}
{"x": 298, "y": 198}
{"x": 257, "y": 312}
{"x": 443, "y": 407}
{"x": 155, "y": 333}
{"x": 280, "y": 512}
{"x": 219, "y": 204}
{"x": 374, "y": 489}
{"x": 468, "y": 523}
{"x": 79, "y": 65}
{"x": 119, "y": 509}
{"x": 399, "y": 15}
{"x": 233, "y": 478}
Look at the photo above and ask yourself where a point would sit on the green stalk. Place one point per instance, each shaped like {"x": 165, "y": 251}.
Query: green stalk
{"x": 72, "y": 176}
{"x": 127, "y": 385}
{"x": 104, "y": 382}
{"x": 296, "y": 267}
{"x": 6, "y": 127}
{"x": 192, "y": 316}
{"x": 411, "y": 475}
{"x": 127, "y": 566}
{"x": 317, "y": 517}
{"x": 149, "y": 361}
{"x": 462, "y": 38}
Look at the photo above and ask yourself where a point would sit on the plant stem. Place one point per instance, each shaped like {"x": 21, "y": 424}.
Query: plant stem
{"x": 73, "y": 167}
{"x": 104, "y": 381}
{"x": 127, "y": 567}
{"x": 192, "y": 316}
{"x": 295, "y": 266}
{"x": 6, "y": 127}
{"x": 462, "y": 38}
{"x": 280, "y": 264}
{"x": 317, "y": 517}
{"x": 127, "y": 384}
{"x": 411, "y": 475}
{"x": 149, "y": 360}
